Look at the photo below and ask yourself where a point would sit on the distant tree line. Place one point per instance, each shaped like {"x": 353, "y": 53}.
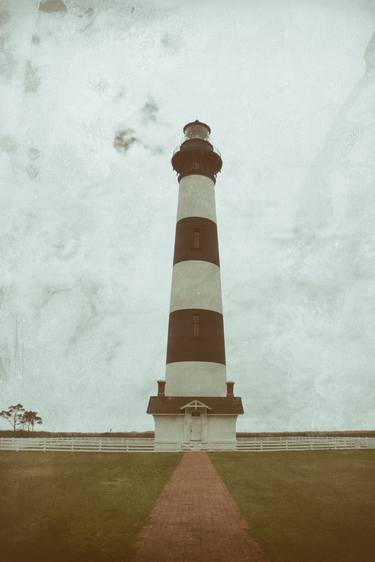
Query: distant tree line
{"x": 19, "y": 417}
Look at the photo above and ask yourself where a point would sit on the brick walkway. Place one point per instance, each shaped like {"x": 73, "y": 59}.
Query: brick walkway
{"x": 196, "y": 519}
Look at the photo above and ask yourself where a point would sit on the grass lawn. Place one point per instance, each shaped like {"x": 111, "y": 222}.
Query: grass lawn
{"x": 311, "y": 506}
{"x": 76, "y": 507}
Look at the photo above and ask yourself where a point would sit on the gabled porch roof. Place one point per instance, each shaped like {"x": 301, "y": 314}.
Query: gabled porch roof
{"x": 175, "y": 404}
{"x": 195, "y": 404}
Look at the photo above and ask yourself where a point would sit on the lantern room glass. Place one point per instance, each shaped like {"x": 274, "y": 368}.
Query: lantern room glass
{"x": 197, "y": 131}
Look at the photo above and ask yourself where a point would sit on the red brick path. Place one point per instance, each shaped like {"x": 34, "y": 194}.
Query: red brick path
{"x": 196, "y": 519}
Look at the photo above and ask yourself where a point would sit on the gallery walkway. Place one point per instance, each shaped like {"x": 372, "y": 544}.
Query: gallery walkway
{"x": 196, "y": 519}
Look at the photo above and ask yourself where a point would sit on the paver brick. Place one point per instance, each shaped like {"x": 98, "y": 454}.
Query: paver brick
{"x": 196, "y": 519}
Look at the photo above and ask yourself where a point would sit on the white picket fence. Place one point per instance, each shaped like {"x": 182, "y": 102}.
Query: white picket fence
{"x": 78, "y": 444}
{"x": 296, "y": 443}
{"x": 133, "y": 445}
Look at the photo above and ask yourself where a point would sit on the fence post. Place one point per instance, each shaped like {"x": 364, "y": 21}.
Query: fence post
{"x": 44, "y": 445}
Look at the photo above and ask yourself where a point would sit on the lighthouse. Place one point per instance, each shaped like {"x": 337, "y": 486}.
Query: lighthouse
{"x": 195, "y": 407}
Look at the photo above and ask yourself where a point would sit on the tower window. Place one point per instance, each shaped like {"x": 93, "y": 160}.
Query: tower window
{"x": 197, "y": 238}
{"x": 195, "y": 325}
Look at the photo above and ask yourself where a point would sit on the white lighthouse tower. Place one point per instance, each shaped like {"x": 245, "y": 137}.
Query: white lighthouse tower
{"x": 195, "y": 407}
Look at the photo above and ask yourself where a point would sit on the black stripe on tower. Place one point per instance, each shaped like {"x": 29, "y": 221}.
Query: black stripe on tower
{"x": 196, "y": 334}
{"x": 196, "y": 239}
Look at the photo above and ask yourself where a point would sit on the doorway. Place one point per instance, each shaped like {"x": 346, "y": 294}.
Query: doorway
{"x": 196, "y": 427}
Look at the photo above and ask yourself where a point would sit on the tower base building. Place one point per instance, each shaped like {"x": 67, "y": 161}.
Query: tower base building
{"x": 195, "y": 407}
{"x": 195, "y": 422}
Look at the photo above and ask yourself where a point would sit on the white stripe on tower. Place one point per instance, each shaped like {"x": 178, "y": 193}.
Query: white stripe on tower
{"x": 196, "y": 198}
{"x": 195, "y": 378}
{"x": 196, "y": 284}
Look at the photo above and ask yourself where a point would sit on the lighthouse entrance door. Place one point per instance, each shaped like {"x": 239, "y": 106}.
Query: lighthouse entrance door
{"x": 196, "y": 427}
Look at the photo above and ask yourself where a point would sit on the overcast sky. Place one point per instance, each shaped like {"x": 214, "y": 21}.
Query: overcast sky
{"x": 93, "y": 99}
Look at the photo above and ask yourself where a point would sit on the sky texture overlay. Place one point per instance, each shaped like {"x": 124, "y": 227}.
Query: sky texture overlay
{"x": 93, "y": 98}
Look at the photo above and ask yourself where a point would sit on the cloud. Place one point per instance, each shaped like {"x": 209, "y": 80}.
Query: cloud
{"x": 52, "y": 6}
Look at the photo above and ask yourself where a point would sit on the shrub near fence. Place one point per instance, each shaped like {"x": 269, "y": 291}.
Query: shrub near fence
{"x": 133, "y": 445}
